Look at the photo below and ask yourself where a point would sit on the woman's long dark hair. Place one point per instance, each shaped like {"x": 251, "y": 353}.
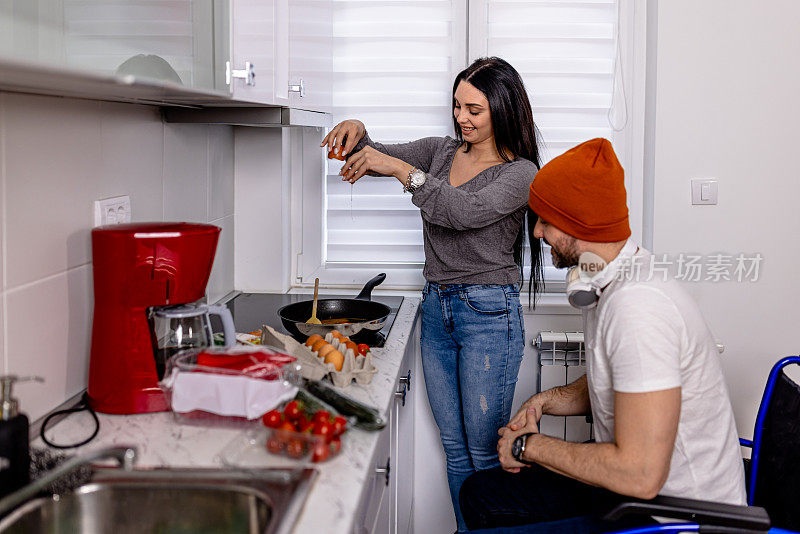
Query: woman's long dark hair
{"x": 515, "y": 135}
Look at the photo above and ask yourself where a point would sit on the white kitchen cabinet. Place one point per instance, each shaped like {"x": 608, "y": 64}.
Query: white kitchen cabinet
{"x": 281, "y": 53}
{"x": 311, "y": 54}
{"x": 403, "y": 438}
{"x": 199, "y": 52}
{"x": 388, "y": 501}
{"x": 257, "y": 59}
{"x": 373, "y": 514}
{"x": 151, "y": 52}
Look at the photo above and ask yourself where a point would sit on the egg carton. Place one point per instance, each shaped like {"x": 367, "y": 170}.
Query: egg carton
{"x": 361, "y": 369}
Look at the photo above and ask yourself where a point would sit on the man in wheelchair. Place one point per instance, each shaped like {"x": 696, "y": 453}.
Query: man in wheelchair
{"x": 663, "y": 423}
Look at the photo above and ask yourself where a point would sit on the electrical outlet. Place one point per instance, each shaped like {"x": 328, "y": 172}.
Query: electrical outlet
{"x": 116, "y": 210}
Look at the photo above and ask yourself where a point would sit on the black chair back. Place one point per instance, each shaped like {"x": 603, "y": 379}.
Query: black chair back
{"x": 776, "y": 451}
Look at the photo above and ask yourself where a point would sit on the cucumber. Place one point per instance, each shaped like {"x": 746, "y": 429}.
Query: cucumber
{"x": 367, "y": 418}
{"x": 312, "y": 404}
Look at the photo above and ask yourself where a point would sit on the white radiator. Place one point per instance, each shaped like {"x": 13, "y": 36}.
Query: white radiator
{"x": 562, "y": 360}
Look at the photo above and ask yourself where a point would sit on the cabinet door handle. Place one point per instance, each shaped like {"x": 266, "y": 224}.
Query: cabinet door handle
{"x": 401, "y": 393}
{"x": 248, "y": 73}
{"x": 298, "y": 88}
{"x": 406, "y": 380}
{"x": 385, "y": 470}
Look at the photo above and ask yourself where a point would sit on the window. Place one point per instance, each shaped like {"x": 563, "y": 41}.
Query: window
{"x": 565, "y": 52}
{"x": 394, "y": 65}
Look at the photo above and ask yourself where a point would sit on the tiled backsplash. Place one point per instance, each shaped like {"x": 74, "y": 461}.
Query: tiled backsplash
{"x": 57, "y": 156}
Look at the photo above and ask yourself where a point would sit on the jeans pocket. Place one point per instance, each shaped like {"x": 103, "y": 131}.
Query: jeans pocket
{"x": 486, "y": 300}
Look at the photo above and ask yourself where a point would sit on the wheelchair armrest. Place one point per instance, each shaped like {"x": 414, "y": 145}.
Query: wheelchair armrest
{"x": 744, "y": 518}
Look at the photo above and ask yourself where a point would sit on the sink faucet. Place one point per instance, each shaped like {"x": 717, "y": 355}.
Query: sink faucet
{"x": 125, "y": 457}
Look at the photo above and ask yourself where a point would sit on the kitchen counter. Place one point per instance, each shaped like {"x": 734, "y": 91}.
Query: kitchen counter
{"x": 333, "y": 501}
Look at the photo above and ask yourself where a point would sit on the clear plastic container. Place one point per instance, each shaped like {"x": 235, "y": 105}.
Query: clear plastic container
{"x": 228, "y": 387}
{"x": 262, "y": 445}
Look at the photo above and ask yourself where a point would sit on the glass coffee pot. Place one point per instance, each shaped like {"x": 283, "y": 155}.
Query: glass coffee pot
{"x": 176, "y": 328}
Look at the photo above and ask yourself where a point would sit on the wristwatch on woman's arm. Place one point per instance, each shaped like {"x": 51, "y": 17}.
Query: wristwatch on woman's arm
{"x": 518, "y": 448}
{"x": 415, "y": 180}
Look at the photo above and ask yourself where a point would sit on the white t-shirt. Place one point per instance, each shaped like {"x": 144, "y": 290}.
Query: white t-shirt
{"x": 648, "y": 335}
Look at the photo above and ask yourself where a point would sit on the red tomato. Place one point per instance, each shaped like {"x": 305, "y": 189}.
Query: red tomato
{"x": 293, "y": 410}
{"x": 283, "y": 431}
{"x": 274, "y": 445}
{"x": 306, "y": 426}
{"x": 272, "y": 419}
{"x": 301, "y": 422}
{"x": 295, "y": 448}
{"x": 324, "y": 429}
{"x": 363, "y": 349}
{"x": 320, "y": 452}
{"x": 339, "y": 425}
{"x": 321, "y": 415}
{"x": 335, "y": 445}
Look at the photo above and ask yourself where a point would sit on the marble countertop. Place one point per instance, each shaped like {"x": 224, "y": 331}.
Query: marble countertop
{"x": 333, "y": 501}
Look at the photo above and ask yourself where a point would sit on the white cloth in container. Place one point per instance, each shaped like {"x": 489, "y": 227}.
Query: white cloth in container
{"x": 227, "y": 395}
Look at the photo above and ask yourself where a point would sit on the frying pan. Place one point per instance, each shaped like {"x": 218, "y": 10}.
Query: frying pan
{"x": 370, "y": 315}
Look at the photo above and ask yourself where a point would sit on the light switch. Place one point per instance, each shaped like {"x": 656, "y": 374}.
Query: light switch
{"x": 704, "y": 191}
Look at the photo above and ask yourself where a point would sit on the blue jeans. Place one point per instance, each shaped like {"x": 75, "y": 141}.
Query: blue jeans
{"x": 472, "y": 342}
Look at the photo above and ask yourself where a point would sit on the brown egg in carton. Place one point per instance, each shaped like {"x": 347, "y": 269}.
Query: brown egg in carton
{"x": 358, "y": 368}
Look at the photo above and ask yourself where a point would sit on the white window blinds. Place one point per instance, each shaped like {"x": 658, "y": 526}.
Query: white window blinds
{"x": 394, "y": 65}
{"x": 564, "y": 50}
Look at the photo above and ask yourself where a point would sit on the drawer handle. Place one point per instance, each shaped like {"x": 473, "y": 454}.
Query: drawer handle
{"x": 406, "y": 380}
{"x": 401, "y": 393}
{"x": 298, "y": 88}
{"x": 385, "y": 470}
{"x": 248, "y": 73}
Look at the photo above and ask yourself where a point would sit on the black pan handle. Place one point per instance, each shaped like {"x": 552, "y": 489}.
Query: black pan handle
{"x": 366, "y": 293}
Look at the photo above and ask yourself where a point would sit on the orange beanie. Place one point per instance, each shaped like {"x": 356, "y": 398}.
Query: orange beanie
{"x": 582, "y": 193}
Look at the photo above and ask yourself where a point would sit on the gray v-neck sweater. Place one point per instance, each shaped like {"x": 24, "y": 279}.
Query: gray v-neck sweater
{"x": 469, "y": 230}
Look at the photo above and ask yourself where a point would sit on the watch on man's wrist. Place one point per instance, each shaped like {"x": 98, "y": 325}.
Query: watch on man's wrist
{"x": 518, "y": 448}
{"x": 415, "y": 180}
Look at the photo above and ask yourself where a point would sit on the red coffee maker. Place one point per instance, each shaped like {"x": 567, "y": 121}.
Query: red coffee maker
{"x": 136, "y": 267}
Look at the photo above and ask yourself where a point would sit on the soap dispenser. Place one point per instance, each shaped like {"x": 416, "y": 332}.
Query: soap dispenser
{"x": 14, "y": 442}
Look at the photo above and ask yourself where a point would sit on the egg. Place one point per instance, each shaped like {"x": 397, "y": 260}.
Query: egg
{"x": 313, "y": 339}
{"x": 336, "y": 358}
{"x": 325, "y": 350}
{"x": 318, "y": 344}
{"x": 350, "y": 345}
{"x": 337, "y": 334}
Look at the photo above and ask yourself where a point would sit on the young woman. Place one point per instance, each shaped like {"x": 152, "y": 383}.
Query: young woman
{"x": 472, "y": 192}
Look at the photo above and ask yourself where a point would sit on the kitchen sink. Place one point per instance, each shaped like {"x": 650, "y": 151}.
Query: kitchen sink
{"x": 170, "y": 501}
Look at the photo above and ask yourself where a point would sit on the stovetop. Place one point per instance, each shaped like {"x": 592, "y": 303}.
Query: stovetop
{"x": 251, "y": 310}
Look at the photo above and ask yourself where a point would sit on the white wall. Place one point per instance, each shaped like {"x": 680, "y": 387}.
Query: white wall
{"x": 58, "y": 155}
{"x": 727, "y": 84}
{"x": 262, "y": 209}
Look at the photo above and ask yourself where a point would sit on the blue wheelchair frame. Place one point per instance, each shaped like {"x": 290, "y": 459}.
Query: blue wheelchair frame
{"x": 755, "y": 445}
